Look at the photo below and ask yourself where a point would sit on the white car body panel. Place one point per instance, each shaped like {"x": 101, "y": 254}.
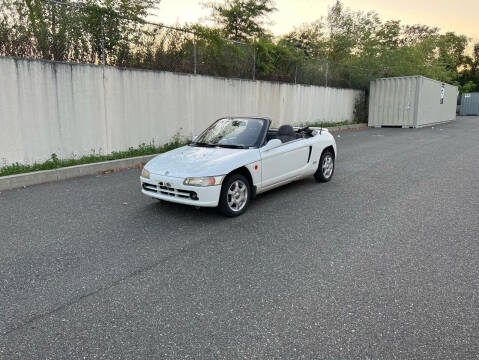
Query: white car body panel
{"x": 268, "y": 168}
{"x": 284, "y": 162}
{"x": 191, "y": 161}
{"x": 208, "y": 196}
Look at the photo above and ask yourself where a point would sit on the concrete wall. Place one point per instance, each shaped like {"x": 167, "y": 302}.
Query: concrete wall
{"x": 75, "y": 110}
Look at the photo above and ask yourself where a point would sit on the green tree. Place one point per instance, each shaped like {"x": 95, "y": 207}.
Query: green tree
{"x": 348, "y": 47}
{"x": 413, "y": 34}
{"x": 470, "y": 70}
{"x": 74, "y": 32}
{"x": 274, "y": 62}
{"x": 468, "y": 87}
{"x": 241, "y": 19}
{"x": 308, "y": 40}
{"x": 341, "y": 33}
{"x": 451, "y": 49}
{"x": 388, "y": 35}
{"x": 474, "y": 63}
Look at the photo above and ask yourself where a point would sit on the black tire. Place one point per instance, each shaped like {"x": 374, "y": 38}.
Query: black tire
{"x": 325, "y": 175}
{"x": 224, "y": 206}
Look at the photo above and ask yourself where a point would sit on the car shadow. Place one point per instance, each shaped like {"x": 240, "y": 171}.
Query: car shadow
{"x": 180, "y": 211}
{"x": 298, "y": 186}
{"x": 169, "y": 210}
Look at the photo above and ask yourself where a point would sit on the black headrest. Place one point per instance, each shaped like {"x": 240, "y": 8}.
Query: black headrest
{"x": 285, "y": 130}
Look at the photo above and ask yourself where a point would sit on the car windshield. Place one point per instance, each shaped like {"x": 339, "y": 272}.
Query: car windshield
{"x": 235, "y": 133}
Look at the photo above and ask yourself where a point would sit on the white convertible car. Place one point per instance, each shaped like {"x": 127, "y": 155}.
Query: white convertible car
{"x": 234, "y": 160}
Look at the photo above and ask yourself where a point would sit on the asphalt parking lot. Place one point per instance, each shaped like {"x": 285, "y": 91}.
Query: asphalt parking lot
{"x": 380, "y": 263}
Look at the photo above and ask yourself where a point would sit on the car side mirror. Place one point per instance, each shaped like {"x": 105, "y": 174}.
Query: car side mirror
{"x": 272, "y": 144}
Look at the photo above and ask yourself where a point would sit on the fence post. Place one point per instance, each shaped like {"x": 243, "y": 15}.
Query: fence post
{"x": 327, "y": 72}
{"x": 103, "y": 55}
{"x": 254, "y": 61}
{"x": 195, "y": 55}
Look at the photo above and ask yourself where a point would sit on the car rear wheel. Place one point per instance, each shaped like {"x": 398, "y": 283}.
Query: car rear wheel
{"x": 326, "y": 167}
{"x": 235, "y": 195}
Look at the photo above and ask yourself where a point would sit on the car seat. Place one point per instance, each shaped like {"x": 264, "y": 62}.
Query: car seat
{"x": 286, "y": 133}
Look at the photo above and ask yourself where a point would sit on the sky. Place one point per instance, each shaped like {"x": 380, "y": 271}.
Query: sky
{"x": 460, "y": 17}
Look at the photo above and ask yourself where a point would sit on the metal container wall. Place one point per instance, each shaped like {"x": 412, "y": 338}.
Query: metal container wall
{"x": 470, "y": 104}
{"x": 430, "y": 109}
{"x": 392, "y": 102}
{"x": 411, "y": 101}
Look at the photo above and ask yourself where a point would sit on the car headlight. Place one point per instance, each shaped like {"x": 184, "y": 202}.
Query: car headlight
{"x": 204, "y": 181}
{"x": 145, "y": 173}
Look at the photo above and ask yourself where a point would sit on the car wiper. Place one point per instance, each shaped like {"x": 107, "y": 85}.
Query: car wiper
{"x": 232, "y": 146}
{"x": 202, "y": 144}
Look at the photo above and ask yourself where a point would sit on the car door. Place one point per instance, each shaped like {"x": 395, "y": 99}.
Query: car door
{"x": 284, "y": 162}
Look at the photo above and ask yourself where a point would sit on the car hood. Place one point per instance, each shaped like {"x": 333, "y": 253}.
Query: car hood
{"x": 193, "y": 161}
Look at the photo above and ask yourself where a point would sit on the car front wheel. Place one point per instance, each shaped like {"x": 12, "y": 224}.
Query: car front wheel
{"x": 235, "y": 195}
{"x": 326, "y": 167}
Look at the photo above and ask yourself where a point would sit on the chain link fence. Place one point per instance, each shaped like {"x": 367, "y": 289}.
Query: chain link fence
{"x": 80, "y": 33}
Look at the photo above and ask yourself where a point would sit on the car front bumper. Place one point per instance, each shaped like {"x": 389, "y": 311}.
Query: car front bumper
{"x": 172, "y": 189}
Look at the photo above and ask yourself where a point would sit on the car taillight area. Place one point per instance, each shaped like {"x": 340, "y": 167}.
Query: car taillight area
{"x": 166, "y": 189}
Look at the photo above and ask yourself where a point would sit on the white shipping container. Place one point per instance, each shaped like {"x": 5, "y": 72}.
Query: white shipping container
{"x": 411, "y": 101}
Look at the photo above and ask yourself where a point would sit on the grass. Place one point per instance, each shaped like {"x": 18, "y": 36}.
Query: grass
{"x": 54, "y": 162}
{"x": 332, "y": 124}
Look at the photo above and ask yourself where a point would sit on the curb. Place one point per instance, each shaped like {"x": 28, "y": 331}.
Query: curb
{"x": 46, "y": 176}
{"x": 353, "y": 127}
{"x": 40, "y": 177}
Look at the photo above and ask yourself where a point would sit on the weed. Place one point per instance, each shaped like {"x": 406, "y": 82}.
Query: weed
{"x": 55, "y": 162}
{"x": 330, "y": 124}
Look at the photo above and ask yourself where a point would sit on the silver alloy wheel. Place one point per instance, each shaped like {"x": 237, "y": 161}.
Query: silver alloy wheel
{"x": 327, "y": 166}
{"x": 237, "y": 195}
